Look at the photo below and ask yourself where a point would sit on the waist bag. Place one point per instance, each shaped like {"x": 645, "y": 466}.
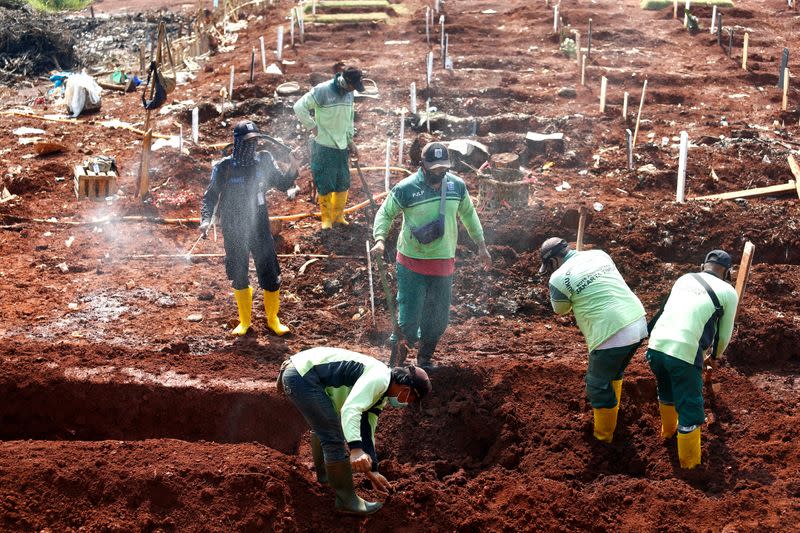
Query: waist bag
{"x": 434, "y": 229}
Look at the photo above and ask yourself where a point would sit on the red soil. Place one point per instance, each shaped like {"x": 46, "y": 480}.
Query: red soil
{"x": 120, "y": 414}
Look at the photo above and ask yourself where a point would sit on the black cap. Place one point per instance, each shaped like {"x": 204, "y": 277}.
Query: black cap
{"x": 435, "y": 155}
{"x": 245, "y": 129}
{"x": 353, "y": 76}
{"x": 552, "y": 247}
{"x": 719, "y": 257}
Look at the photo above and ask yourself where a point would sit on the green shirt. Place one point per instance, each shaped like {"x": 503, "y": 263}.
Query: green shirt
{"x": 419, "y": 203}
{"x": 687, "y": 318}
{"x": 333, "y": 114}
{"x": 589, "y": 283}
{"x": 355, "y": 383}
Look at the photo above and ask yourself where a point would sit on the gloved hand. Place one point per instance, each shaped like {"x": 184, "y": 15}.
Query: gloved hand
{"x": 360, "y": 461}
{"x": 377, "y": 249}
{"x": 204, "y": 225}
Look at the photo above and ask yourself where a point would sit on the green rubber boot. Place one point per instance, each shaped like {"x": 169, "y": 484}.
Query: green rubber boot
{"x": 340, "y": 477}
{"x": 319, "y": 460}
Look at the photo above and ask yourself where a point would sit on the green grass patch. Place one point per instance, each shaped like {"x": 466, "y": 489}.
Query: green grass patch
{"x": 59, "y": 5}
{"x": 661, "y": 4}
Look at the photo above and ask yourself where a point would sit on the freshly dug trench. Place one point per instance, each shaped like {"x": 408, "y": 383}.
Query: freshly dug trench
{"x": 128, "y": 404}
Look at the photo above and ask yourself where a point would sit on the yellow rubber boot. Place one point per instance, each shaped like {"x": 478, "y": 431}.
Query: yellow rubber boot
{"x": 605, "y": 421}
{"x": 325, "y": 207}
{"x": 339, "y": 202}
{"x": 689, "y": 449}
{"x": 244, "y": 301}
{"x": 272, "y": 303}
{"x": 617, "y": 386}
{"x": 669, "y": 420}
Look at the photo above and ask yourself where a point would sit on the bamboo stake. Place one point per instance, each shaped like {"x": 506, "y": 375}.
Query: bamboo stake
{"x": 639, "y": 114}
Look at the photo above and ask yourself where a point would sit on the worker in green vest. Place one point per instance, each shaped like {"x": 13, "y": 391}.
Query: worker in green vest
{"x": 698, "y": 315}
{"x": 609, "y": 315}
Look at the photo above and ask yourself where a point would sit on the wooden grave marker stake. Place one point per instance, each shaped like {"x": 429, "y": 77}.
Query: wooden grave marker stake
{"x": 639, "y": 114}
{"x": 279, "y": 51}
{"x": 230, "y": 87}
{"x": 603, "y": 88}
{"x": 589, "y": 41}
{"x": 785, "y": 101}
{"x": 743, "y": 274}
{"x": 674, "y": 9}
{"x": 625, "y": 106}
{"x": 263, "y": 53}
{"x": 629, "y": 143}
{"x": 252, "y": 64}
{"x": 744, "y": 50}
{"x": 581, "y": 229}
{"x": 387, "y": 173}
{"x": 583, "y": 70}
{"x": 413, "y": 94}
{"x": 713, "y": 27}
{"x": 680, "y": 194}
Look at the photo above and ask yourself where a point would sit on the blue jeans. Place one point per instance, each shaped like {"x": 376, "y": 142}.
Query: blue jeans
{"x": 308, "y": 395}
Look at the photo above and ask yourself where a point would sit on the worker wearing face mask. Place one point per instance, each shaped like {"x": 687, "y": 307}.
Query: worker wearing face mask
{"x": 341, "y": 393}
{"x": 431, "y": 202}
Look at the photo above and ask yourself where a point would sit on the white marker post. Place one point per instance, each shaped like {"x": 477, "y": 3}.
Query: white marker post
{"x": 291, "y": 28}
{"x": 446, "y": 49}
{"x": 413, "y": 92}
{"x": 371, "y": 286}
{"x": 230, "y": 90}
{"x": 629, "y": 143}
{"x": 441, "y": 37}
{"x": 555, "y": 18}
{"x": 639, "y": 114}
{"x": 713, "y": 27}
{"x": 680, "y": 193}
{"x": 263, "y": 53}
{"x": 686, "y": 14}
{"x": 430, "y": 68}
{"x": 578, "y": 47}
{"x": 195, "y": 125}
{"x": 428, "y": 25}
{"x": 301, "y": 24}
{"x": 603, "y": 87}
{"x": 625, "y": 106}
{"x": 314, "y": 7}
{"x": 279, "y": 51}
{"x": 428, "y": 114}
{"x": 744, "y": 50}
{"x": 180, "y": 138}
{"x": 675, "y": 9}
{"x": 402, "y": 138}
{"x": 388, "y": 162}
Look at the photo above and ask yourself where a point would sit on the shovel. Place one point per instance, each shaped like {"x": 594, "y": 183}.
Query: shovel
{"x": 398, "y": 356}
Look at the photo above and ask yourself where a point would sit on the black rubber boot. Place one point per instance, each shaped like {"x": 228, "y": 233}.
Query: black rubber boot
{"x": 398, "y": 354}
{"x": 340, "y": 477}
{"x": 425, "y": 354}
{"x": 319, "y": 460}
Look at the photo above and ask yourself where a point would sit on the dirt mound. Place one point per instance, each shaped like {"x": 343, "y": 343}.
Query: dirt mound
{"x": 32, "y": 44}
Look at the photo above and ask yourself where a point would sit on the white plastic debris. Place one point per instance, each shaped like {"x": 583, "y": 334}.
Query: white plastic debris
{"x": 597, "y": 206}
{"x": 563, "y": 187}
{"x": 28, "y": 131}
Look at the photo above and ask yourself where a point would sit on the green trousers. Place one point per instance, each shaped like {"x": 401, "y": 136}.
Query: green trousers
{"x": 423, "y": 305}
{"x": 606, "y": 366}
{"x": 679, "y": 384}
{"x": 330, "y": 168}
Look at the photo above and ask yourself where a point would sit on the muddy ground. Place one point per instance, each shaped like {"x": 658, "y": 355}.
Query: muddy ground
{"x": 120, "y": 414}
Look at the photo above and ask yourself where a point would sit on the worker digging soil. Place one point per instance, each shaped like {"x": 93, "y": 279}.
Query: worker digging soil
{"x": 697, "y": 316}
{"x": 238, "y": 185}
{"x": 341, "y": 393}
{"x": 608, "y": 314}
{"x": 431, "y": 202}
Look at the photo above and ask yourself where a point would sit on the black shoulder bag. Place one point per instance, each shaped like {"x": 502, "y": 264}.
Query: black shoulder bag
{"x": 718, "y": 312}
{"x": 434, "y": 229}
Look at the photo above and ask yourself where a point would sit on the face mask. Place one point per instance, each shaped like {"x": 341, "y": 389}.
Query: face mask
{"x": 394, "y": 402}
